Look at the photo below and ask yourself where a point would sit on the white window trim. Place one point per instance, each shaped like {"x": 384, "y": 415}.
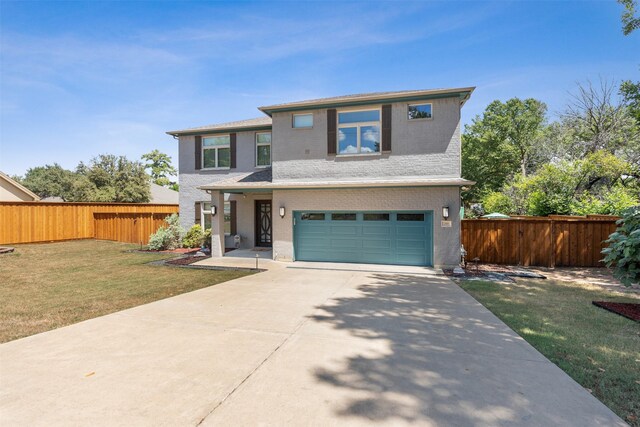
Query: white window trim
{"x": 204, "y": 212}
{"x": 293, "y": 126}
{"x": 216, "y": 147}
{"x": 422, "y": 119}
{"x": 358, "y": 124}
{"x": 262, "y": 144}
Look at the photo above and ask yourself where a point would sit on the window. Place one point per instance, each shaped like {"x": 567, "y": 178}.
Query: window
{"x": 359, "y": 132}
{"x": 343, "y": 217}
{"x": 263, "y": 149}
{"x": 376, "y": 217}
{"x": 205, "y": 214}
{"x": 301, "y": 121}
{"x": 216, "y": 153}
{"x": 310, "y": 216}
{"x": 410, "y": 217}
{"x": 419, "y": 111}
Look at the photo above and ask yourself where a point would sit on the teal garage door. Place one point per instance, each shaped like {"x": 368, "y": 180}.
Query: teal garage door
{"x": 381, "y": 237}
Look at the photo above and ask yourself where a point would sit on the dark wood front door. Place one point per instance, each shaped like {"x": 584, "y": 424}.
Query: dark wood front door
{"x": 263, "y": 223}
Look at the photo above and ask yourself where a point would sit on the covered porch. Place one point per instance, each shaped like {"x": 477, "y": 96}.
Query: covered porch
{"x": 250, "y": 216}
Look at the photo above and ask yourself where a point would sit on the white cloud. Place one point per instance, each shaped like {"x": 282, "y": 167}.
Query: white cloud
{"x": 371, "y": 135}
{"x": 349, "y": 149}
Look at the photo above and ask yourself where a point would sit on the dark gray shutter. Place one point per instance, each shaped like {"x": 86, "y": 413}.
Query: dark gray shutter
{"x": 198, "y": 213}
{"x": 386, "y": 127}
{"x": 332, "y": 135}
{"x": 198, "y": 155}
{"x": 232, "y": 151}
{"x": 234, "y": 218}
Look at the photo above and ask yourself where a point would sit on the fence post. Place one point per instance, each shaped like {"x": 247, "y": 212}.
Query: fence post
{"x": 552, "y": 246}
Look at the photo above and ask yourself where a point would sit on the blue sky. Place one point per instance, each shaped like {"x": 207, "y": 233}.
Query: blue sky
{"x": 78, "y": 79}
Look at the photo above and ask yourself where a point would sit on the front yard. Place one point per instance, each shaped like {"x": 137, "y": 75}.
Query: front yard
{"x": 598, "y": 349}
{"x": 46, "y": 286}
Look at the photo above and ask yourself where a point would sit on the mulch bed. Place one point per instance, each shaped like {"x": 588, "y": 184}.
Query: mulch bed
{"x": 628, "y": 310}
{"x": 186, "y": 260}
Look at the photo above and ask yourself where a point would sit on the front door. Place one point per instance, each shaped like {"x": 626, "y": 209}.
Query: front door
{"x": 263, "y": 223}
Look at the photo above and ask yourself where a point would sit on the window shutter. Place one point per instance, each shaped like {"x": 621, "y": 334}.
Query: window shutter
{"x": 198, "y": 155}
{"x": 232, "y": 150}
{"x": 198, "y": 213}
{"x": 234, "y": 230}
{"x": 332, "y": 136}
{"x": 386, "y": 127}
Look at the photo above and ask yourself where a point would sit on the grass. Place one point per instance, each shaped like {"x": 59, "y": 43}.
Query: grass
{"x": 597, "y": 348}
{"x": 46, "y": 286}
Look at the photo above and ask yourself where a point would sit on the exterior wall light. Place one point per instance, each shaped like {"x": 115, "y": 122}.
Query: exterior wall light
{"x": 282, "y": 211}
{"x": 214, "y": 210}
{"x": 445, "y": 212}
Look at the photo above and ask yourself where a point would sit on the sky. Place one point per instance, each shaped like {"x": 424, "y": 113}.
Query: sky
{"x": 79, "y": 79}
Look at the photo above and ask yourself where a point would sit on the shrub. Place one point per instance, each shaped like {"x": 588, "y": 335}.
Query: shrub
{"x": 623, "y": 253}
{"x": 167, "y": 237}
{"x": 206, "y": 239}
{"x": 194, "y": 237}
{"x": 498, "y": 202}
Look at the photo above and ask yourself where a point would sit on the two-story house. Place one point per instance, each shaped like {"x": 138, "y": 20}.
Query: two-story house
{"x": 370, "y": 178}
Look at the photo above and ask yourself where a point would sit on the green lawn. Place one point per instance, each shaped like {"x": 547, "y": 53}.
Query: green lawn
{"x": 598, "y": 349}
{"x": 46, "y": 286}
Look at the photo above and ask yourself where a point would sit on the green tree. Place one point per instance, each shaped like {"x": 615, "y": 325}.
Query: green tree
{"x": 630, "y": 22}
{"x": 599, "y": 183}
{"x": 501, "y": 142}
{"x": 160, "y": 168}
{"x": 117, "y": 179}
{"x": 630, "y": 93}
{"x": 50, "y": 181}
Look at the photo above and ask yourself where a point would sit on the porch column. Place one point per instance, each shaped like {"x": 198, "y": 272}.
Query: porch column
{"x": 217, "y": 225}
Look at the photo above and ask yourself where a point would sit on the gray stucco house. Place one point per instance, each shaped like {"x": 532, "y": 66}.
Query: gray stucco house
{"x": 370, "y": 178}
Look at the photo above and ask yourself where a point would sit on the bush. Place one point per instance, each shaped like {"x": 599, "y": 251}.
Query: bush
{"x": 206, "y": 239}
{"x": 498, "y": 202}
{"x": 194, "y": 237}
{"x": 167, "y": 237}
{"x": 623, "y": 253}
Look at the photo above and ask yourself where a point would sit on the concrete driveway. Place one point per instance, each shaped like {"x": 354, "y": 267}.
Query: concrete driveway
{"x": 309, "y": 345}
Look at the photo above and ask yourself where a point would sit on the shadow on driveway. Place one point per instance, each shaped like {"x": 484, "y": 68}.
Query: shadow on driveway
{"x": 450, "y": 361}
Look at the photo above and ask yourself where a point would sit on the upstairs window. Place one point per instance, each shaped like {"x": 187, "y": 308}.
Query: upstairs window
{"x": 359, "y": 132}
{"x": 263, "y": 149}
{"x": 302, "y": 121}
{"x": 419, "y": 111}
{"x": 216, "y": 152}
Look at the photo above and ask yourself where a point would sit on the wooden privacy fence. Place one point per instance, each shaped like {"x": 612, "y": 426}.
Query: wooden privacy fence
{"x": 554, "y": 241}
{"x": 31, "y": 222}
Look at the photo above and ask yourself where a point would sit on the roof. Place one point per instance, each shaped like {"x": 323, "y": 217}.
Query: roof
{"x": 163, "y": 195}
{"x": 19, "y": 186}
{"x": 262, "y": 180}
{"x": 240, "y": 125}
{"x": 365, "y": 98}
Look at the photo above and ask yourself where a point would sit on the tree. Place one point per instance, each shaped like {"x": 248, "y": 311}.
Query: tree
{"x": 50, "y": 181}
{"x": 630, "y": 22}
{"x": 595, "y": 121}
{"x": 599, "y": 183}
{"x": 160, "y": 167}
{"x": 630, "y": 93}
{"x": 117, "y": 179}
{"x": 501, "y": 142}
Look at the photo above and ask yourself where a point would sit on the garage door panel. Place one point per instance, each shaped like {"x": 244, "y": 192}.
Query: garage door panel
{"x": 376, "y": 230}
{"x": 350, "y": 230}
{"x": 376, "y": 244}
{"x": 410, "y": 244}
{"x": 343, "y": 243}
{"x": 375, "y": 241}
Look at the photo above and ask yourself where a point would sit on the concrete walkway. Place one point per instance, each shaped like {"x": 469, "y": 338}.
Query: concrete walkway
{"x": 294, "y": 346}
